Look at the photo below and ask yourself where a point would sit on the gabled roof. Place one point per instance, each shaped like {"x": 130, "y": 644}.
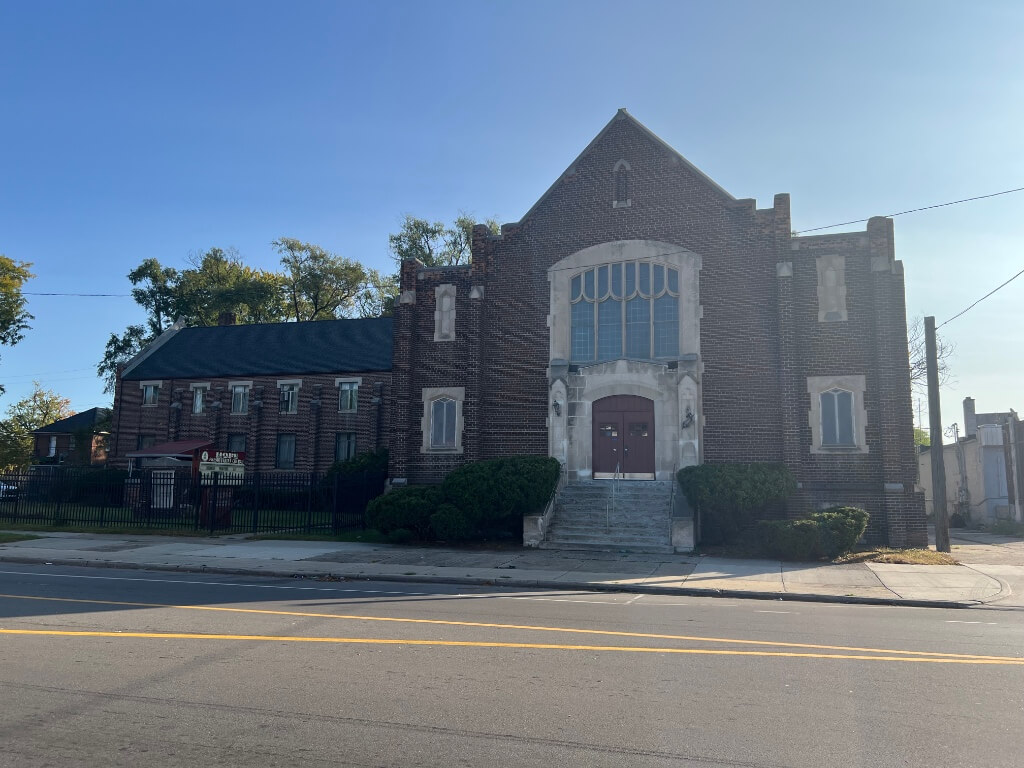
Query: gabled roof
{"x": 80, "y": 422}
{"x": 263, "y": 349}
{"x": 622, "y": 114}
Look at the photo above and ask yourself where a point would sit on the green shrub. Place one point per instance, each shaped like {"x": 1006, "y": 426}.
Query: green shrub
{"x": 825, "y": 534}
{"x": 401, "y": 536}
{"x": 841, "y": 529}
{"x": 408, "y": 508}
{"x": 728, "y": 497}
{"x": 494, "y": 495}
{"x": 1006, "y": 528}
{"x": 373, "y": 462}
{"x": 791, "y": 539}
{"x": 450, "y": 523}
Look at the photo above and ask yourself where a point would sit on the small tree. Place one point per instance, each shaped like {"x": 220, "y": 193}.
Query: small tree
{"x": 13, "y": 315}
{"x": 435, "y": 244}
{"x": 40, "y": 408}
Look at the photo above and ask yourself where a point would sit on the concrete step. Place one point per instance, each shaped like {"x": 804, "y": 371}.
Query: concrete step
{"x": 631, "y": 516}
{"x": 584, "y": 547}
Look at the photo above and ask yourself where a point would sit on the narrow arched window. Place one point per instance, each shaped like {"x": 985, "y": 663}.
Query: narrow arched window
{"x": 442, "y": 423}
{"x": 837, "y": 418}
{"x": 621, "y": 173}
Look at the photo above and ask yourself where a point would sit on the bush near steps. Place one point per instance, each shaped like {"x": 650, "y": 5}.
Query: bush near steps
{"x": 482, "y": 499}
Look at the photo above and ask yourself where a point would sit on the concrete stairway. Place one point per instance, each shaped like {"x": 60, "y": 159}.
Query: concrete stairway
{"x": 610, "y": 516}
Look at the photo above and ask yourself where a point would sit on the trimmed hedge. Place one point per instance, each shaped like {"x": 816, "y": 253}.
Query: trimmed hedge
{"x": 730, "y": 496}
{"x": 373, "y": 462}
{"x": 482, "y": 499}
{"x": 825, "y": 534}
{"x": 406, "y": 509}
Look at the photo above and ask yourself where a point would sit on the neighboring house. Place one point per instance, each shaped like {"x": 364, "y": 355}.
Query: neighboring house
{"x": 636, "y": 320}
{"x": 979, "y": 467}
{"x": 79, "y": 440}
{"x": 291, "y": 396}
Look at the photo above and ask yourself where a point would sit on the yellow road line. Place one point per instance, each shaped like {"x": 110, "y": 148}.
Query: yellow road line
{"x": 526, "y": 627}
{"x": 491, "y": 644}
{"x": 529, "y": 628}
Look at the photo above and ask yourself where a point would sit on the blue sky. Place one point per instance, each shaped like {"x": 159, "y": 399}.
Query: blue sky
{"x": 131, "y": 130}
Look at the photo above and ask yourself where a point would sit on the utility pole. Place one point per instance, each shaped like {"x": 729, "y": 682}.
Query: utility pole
{"x": 935, "y": 421}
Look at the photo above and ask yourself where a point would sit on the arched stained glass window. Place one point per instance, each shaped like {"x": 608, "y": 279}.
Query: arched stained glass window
{"x": 627, "y": 309}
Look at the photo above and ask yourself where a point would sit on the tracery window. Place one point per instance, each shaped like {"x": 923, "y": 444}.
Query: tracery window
{"x": 627, "y": 309}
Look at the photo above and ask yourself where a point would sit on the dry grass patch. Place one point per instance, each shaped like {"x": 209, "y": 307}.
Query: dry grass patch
{"x": 898, "y": 556}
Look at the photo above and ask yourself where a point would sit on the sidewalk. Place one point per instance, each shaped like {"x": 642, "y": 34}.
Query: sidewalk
{"x": 873, "y": 583}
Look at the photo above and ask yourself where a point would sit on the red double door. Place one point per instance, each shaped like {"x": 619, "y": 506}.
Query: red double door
{"x": 624, "y": 437}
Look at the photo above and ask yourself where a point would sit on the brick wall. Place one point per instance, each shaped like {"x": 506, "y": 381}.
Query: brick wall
{"x": 314, "y": 425}
{"x": 760, "y": 334}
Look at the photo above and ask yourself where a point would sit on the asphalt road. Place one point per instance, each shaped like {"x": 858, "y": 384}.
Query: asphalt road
{"x": 129, "y": 668}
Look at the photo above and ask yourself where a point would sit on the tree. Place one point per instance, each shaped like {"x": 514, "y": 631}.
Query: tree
{"x": 13, "y": 315}
{"x": 214, "y": 283}
{"x": 119, "y": 350}
{"x": 220, "y": 282}
{"x": 378, "y": 296}
{"x": 433, "y": 243}
{"x": 318, "y": 285}
{"x": 921, "y": 437}
{"x": 918, "y": 362}
{"x": 40, "y": 408}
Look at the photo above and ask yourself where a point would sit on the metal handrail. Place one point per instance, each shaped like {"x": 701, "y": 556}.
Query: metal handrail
{"x": 615, "y": 489}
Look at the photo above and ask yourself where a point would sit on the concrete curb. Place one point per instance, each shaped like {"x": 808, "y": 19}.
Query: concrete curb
{"x": 512, "y": 582}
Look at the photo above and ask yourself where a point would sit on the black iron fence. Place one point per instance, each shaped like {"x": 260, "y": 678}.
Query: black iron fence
{"x": 173, "y": 500}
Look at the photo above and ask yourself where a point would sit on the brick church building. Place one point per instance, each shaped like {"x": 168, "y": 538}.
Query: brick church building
{"x": 636, "y": 320}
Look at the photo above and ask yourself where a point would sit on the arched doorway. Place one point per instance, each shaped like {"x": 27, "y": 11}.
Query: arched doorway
{"x": 624, "y": 437}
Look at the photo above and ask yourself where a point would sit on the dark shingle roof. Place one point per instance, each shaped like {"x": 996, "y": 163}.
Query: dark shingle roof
{"x": 324, "y": 346}
{"x": 80, "y": 422}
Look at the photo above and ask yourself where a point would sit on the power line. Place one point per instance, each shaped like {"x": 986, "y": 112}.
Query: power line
{"x": 915, "y": 210}
{"x": 954, "y": 317}
{"x": 118, "y": 295}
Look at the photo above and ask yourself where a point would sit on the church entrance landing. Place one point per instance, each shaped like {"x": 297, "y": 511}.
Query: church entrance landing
{"x": 624, "y": 437}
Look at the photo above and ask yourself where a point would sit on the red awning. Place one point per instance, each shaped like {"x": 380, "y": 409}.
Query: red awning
{"x": 182, "y": 449}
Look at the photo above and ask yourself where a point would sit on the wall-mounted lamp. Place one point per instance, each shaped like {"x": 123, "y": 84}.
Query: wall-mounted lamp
{"x": 556, "y": 407}
{"x": 688, "y": 419}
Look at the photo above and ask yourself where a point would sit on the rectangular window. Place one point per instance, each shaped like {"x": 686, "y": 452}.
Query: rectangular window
{"x": 344, "y": 446}
{"x": 289, "y": 398}
{"x": 666, "y": 326}
{"x": 638, "y": 327}
{"x": 71, "y": 443}
{"x": 583, "y": 330}
{"x": 609, "y": 330}
{"x": 199, "y": 399}
{"x": 348, "y": 395}
{"x": 239, "y": 398}
{"x": 442, "y": 423}
{"x": 285, "y": 452}
{"x": 143, "y": 442}
{"x": 837, "y": 418}
{"x": 236, "y": 443}
{"x": 150, "y": 394}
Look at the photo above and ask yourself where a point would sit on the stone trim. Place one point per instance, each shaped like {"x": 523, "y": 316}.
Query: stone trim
{"x": 429, "y": 395}
{"x": 831, "y": 289}
{"x": 855, "y": 384}
{"x": 444, "y": 312}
